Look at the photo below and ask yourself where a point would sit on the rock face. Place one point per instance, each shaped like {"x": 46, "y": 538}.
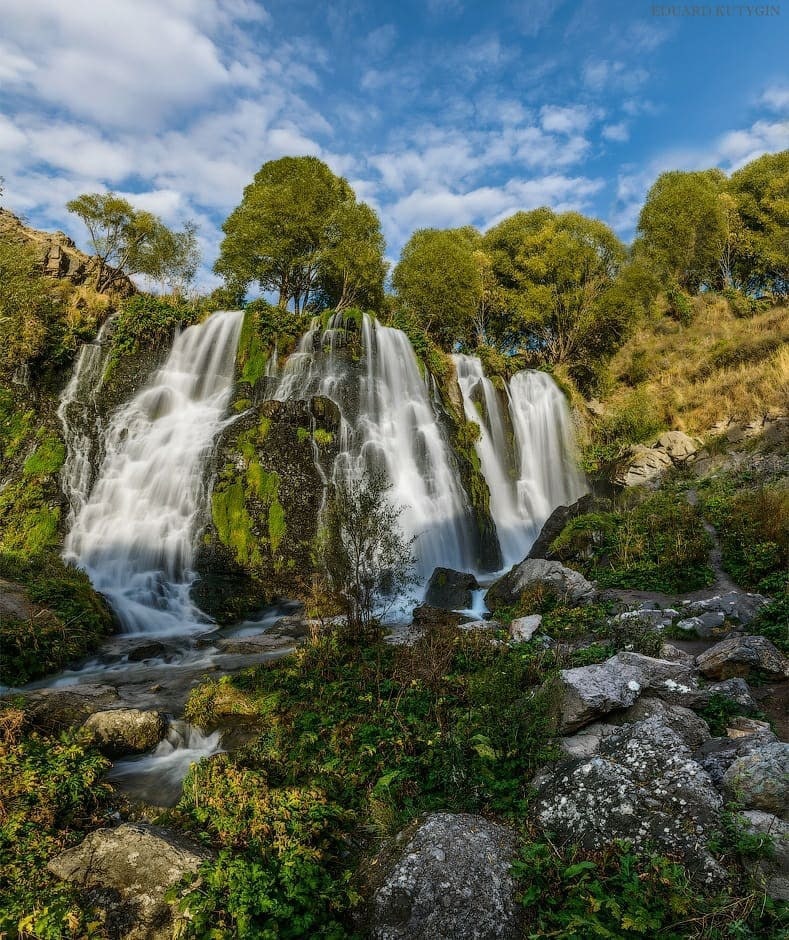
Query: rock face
{"x": 760, "y": 778}
{"x": 451, "y": 879}
{"x": 642, "y": 785}
{"x": 450, "y": 590}
{"x": 677, "y": 445}
{"x": 556, "y": 522}
{"x": 590, "y": 692}
{"x": 126, "y": 730}
{"x": 56, "y": 709}
{"x": 136, "y": 864}
{"x": 641, "y": 466}
{"x": 741, "y": 656}
{"x": 566, "y": 582}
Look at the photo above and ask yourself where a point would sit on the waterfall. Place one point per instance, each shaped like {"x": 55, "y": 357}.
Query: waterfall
{"x": 527, "y": 455}
{"x": 388, "y": 423}
{"x": 78, "y": 415}
{"x": 134, "y": 534}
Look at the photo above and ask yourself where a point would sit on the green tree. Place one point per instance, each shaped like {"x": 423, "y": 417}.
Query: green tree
{"x": 27, "y": 304}
{"x": 440, "y": 282}
{"x": 564, "y": 278}
{"x": 300, "y": 233}
{"x": 367, "y": 561}
{"x": 761, "y": 193}
{"x": 683, "y": 227}
{"x": 130, "y": 241}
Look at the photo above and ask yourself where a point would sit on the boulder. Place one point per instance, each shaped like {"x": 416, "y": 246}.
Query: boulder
{"x": 742, "y": 656}
{"x": 760, "y": 778}
{"x": 135, "y": 865}
{"x": 556, "y": 522}
{"x": 126, "y": 730}
{"x": 451, "y": 878}
{"x": 451, "y": 590}
{"x": 737, "y": 606}
{"x": 590, "y": 692}
{"x": 428, "y": 616}
{"x": 56, "y": 709}
{"x": 737, "y": 690}
{"x": 641, "y": 465}
{"x": 690, "y": 727}
{"x": 774, "y": 869}
{"x": 522, "y": 629}
{"x": 256, "y": 645}
{"x": 642, "y": 786}
{"x": 718, "y": 754}
{"x": 569, "y": 584}
{"x": 677, "y": 445}
{"x": 294, "y": 625}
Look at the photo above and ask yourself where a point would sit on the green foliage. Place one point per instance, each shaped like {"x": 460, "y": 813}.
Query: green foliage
{"x": 48, "y": 456}
{"x": 680, "y": 304}
{"x": 148, "y": 322}
{"x": 71, "y": 619}
{"x": 130, "y": 241}
{"x": 635, "y": 420}
{"x": 658, "y": 544}
{"x": 719, "y": 711}
{"x": 356, "y": 738}
{"x": 772, "y": 620}
{"x": 300, "y": 232}
{"x": 682, "y": 227}
{"x": 753, "y": 526}
{"x": 618, "y": 893}
{"x": 50, "y": 792}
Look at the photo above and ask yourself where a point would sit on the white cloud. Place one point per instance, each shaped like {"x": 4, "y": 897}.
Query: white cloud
{"x": 777, "y": 98}
{"x": 619, "y": 133}
{"x": 566, "y": 120}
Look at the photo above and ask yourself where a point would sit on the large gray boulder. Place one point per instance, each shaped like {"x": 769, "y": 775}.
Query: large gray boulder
{"x": 567, "y": 583}
{"x": 678, "y": 445}
{"x": 136, "y": 864}
{"x": 760, "y": 779}
{"x": 642, "y": 466}
{"x": 556, "y": 522}
{"x": 126, "y": 730}
{"x": 738, "y": 606}
{"x": 589, "y": 692}
{"x": 717, "y": 755}
{"x": 642, "y": 786}
{"x": 451, "y": 590}
{"x": 450, "y": 879}
{"x": 743, "y": 656}
{"x": 775, "y": 868}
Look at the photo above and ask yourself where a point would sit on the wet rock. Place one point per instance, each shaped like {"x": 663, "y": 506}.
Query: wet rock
{"x": 642, "y": 786}
{"x": 522, "y": 629}
{"x": 126, "y": 730}
{"x": 152, "y": 650}
{"x": 677, "y": 445}
{"x": 774, "y": 869}
{"x": 451, "y": 590}
{"x": 451, "y": 879}
{"x": 760, "y": 778}
{"x": 56, "y": 709}
{"x": 641, "y": 466}
{"x": 256, "y": 645}
{"x": 135, "y": 864}
{"x": 294, "y": 625}
{"x": 567, "y": 583}
{"x": 556, "y": 522}
{"x": 742, "y": 656}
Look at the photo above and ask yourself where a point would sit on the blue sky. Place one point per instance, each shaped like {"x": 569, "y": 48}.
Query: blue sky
{"x": 440, "y": 113}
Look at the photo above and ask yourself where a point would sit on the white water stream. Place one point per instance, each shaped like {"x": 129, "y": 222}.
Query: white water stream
{"x": 135, "y": 533}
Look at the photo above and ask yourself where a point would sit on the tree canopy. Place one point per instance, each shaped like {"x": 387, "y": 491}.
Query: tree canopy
{"x": 300, "y": 233}
{"x": 130, "y": 241}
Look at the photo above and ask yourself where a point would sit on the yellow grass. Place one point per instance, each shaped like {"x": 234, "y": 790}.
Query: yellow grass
{"x": 718, "y": 367}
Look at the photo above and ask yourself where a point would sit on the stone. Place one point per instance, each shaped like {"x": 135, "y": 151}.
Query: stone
{"x": 737, "y": 690}
{"x": 522, "y": 629}
{"x": 567, "y": 583}
{"x": 677, "y": 445}
{"x": 294, "y": 625}
{"x": 774, "y": 869}
{"x": 742, "y": 727}
{"x": 641, "y": 466}
{"x": 642, "y": 786}
{"x": 760, "y": 778}
{"x": 256, "y": 645}
{"x": 718, "y": 754}
{"x": 427, "y": 616}
{"x": 56, "y": 709}
{"x": 556, "y": 522}
{"x": 646, "y": 616}
{"x": 703, "y": 625}
{"x": 451, "y": 590}
{"x": 742, "y": 656}
{"x": 126, "y": 730}
{"x": 737, "y": 606}
{"x": 585, "y": 743}
{"x": 470, "y": 626}
{"x": 675, "y": 655}
{"x": 690, "y": 727}
{"x": 450, "y": 879}
{"x": 136, "y": 864}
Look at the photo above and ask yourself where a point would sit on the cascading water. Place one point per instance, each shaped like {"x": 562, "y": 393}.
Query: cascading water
{"x": 388, "y": 424}
{"x": 527, "y": 481}
{"x": 135, "y": 532}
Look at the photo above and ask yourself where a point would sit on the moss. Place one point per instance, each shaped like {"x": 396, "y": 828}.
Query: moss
{"x": 302, "y": 434}
{"x": 233, "y": 523}
{"x": 28, "y": 522}
{"x": 263, "y": 428}
{"x": 276, "y": 524}
{"x": 253, "y": 354}
{"x": 16, "y": 425}
{"x": 48, "y": 456}
{"x": 322, "y": 437}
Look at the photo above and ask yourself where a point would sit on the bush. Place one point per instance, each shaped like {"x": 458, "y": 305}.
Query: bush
{"x": 145, "y": 322}
{"x": 635, "y": 421}
{"x": 659, "y": 544}
{"x": 51, "y": 791}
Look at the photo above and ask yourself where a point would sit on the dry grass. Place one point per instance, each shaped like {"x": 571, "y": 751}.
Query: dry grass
{"x": 718, "y": 367}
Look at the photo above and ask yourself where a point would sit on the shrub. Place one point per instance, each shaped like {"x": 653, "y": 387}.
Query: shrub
{"x": 147, "y": 321}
